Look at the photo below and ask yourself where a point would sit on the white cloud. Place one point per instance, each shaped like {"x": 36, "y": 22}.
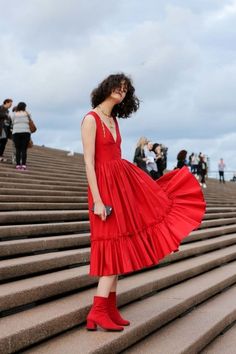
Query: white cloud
{"x": 181, "y": 55}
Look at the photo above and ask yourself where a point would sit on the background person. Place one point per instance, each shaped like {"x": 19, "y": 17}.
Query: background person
{"x": 221, "y": 169}
{"x": 160, "y": 159}
{"x": 202, "y": 170}
{"x": 151, "y": 160}
{"x": 21, "y": 134}
{"x": 182, "y": 159}
{"x": 5, "y": 126}
{"x": 139, "y": 155}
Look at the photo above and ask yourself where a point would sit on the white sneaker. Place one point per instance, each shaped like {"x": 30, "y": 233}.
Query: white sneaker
{"x": 204, "y": 185}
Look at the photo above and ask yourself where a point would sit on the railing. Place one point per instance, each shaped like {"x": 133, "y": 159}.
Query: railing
{"x": 228, "y": 174}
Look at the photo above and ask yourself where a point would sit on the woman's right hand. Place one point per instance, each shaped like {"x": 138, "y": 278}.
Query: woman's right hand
{"x": 100, "y": 210}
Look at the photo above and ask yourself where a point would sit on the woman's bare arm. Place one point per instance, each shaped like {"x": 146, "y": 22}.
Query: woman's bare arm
{"x": 88, "y": 133}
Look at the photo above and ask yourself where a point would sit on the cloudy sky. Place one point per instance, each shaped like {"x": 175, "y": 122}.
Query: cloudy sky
{"x": 180, "y": 54}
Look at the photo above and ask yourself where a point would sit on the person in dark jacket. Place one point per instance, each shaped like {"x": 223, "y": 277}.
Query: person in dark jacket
{"x": 139, "y": 155}
{"x": 182, "y": 159}
{"x": 5, "y": 126}
{"x": 202, "y": 170}
{"x": 159, "y": 159}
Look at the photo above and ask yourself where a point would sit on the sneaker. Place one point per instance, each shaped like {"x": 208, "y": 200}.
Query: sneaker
{"x": 204, "y": 185}
{"x": 18, "y": 167}
{"x": 23, "y": 167}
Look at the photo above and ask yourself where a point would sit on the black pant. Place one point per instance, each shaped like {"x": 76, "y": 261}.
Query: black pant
{"x": 3, "y": 143}
{"x": 222, "y": 177}
{"x": 154, "y": 174}
{"x": 21, "y": 141}
{"x": 203, "y": 177}
{"x": 194, "y": 169}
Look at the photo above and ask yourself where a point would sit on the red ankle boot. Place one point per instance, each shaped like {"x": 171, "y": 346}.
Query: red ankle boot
{"x": 98, "y": 315}
{"x": 113, "y": 311}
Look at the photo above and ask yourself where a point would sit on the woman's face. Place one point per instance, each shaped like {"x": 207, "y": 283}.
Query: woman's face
{"x": 119, "y": 93}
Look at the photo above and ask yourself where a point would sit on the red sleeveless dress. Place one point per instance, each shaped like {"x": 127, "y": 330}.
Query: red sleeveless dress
{"x": 149, "y": 218}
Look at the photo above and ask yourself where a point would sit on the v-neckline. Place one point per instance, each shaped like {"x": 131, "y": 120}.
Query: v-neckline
{"x": 108, "y": 128}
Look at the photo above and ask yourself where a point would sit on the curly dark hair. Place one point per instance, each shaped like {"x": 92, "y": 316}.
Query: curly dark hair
{"x": 182, "y": 155}
{"x": 129, "y": 104}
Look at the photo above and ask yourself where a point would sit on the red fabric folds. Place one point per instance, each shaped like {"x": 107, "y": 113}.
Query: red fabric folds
{"x": 149, "y": 219}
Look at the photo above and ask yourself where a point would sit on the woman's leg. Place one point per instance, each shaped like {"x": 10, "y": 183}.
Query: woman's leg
{"x": 16, "y": 140}
{"x": 3, "y": 143}
{"x": 112, "y": 306}
{"x": 105, "y": 284}
{"x": 25, "y": 142}
{"x": 114, "y": 285}
{"x": 102, "y": 307}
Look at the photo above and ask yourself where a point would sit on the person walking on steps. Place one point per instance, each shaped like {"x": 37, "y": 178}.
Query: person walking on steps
{"x": 5, "y": 126}
{"x": 134, "y": 220}
{"x": 202, "y": 169}
{"x": 221, "y": 169}
{"x": 21, "y": 134}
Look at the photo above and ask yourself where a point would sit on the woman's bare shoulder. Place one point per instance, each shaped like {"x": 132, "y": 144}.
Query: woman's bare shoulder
{"x": 89, "y": 119}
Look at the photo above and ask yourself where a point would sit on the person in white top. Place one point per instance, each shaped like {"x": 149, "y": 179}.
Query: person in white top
{"x": 221, "y": 169}
{"x": 21, "y": 134}
{"x": 151, "y": 160}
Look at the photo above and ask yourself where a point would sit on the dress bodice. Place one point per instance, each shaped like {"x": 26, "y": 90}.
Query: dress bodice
{"x": 106, "y": 148}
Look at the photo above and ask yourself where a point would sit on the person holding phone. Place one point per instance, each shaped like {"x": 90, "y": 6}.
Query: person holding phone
{"x": 148, "y": 219}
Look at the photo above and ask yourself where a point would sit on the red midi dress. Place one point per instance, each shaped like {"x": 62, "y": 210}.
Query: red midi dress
{"x": 149, "y": 218}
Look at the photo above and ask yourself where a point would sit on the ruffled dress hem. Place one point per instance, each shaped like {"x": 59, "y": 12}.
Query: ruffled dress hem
{"x": 146, "y": 247}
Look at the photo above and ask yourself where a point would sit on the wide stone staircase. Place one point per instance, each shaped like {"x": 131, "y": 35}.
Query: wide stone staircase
{"x": 185, "y": 304}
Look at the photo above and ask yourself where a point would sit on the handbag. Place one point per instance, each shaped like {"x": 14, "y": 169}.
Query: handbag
{"x": 30, "y": 144}
{"x": 32, "y": 126}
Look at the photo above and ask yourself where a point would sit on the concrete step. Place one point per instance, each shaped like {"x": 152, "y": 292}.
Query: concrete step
{"x": 146, "y": 316}
{"x": 219, "y": 215}
{"x": 39, "y": 230}
{"x": 17, "y": 267}
{"x": 13, "y": 206}
{"x": 44, "y": 192}
{"x": 44, "y": 173}
{"x": 219, "y": 203}
{"x": 191, "y": 333}
{"x": 208, "y": 233}
{"x": 41, "y": 176}
{"x": 40, "y": 216}
{"x": 23, "y": 231}
{"x": 25, "y": 291}
{"x": 8, "y": 198}
{"x": 37, "y": 180}
{"x": 224, "y": 343}
{"x": 14, "y": 185}
{"x": 51, "y": 242}
{"x": 215, "y": 222}
{"x": 43, "y": 244}
{"x": 49, "y": 167}
{"x": 220, "y": 209}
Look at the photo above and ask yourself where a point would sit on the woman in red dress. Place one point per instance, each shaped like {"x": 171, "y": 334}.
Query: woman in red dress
{"x": 148, "y": 218}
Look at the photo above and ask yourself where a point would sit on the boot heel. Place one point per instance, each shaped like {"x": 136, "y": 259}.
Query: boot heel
{"x": 91, "y": 325}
